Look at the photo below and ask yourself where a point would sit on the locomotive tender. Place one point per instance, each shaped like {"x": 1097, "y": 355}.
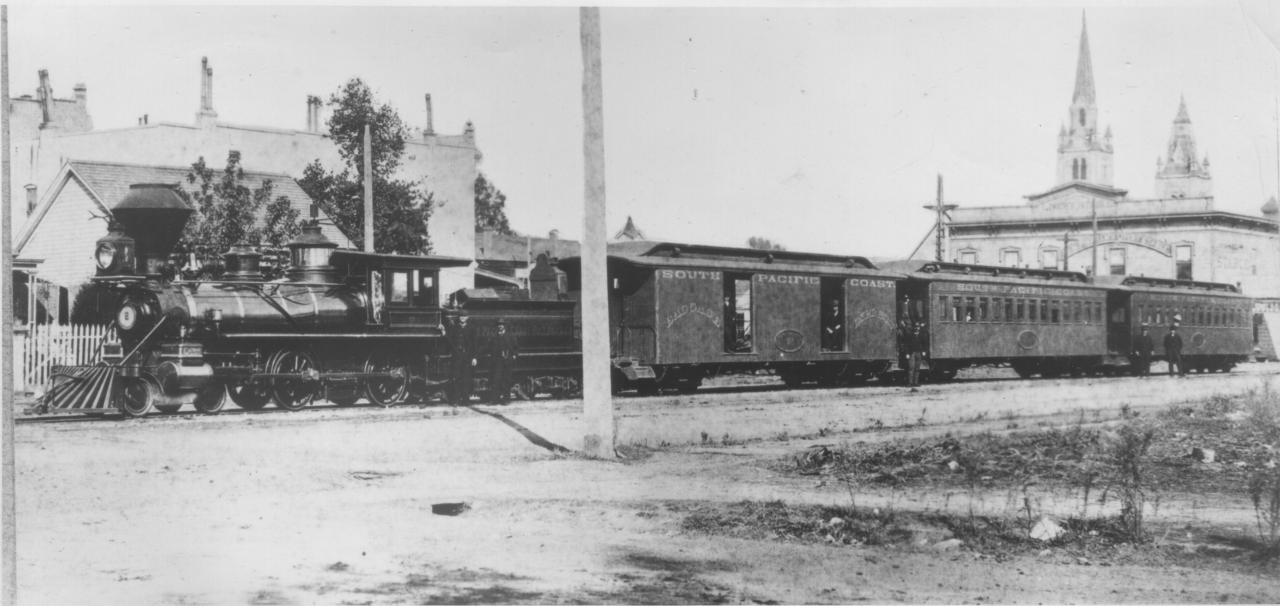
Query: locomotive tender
{"x": 340, "y": 325}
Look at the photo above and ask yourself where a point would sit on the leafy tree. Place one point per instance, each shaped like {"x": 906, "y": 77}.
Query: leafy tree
{"x": 229, "y": 212}
{"x": 401, "y": 208}
{"x": 491, "y": 206}
{"x": 761, "y": 243}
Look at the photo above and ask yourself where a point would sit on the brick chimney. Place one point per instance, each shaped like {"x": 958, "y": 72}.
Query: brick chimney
{"x": 45, "y": 93}
{"x": 206, "y": 115}
{"x": 313, "y": 114}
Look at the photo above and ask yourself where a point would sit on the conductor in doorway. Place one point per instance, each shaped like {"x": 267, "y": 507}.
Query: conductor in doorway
{"x": 1173, "y": 351}
{"x": 462, "y": 359}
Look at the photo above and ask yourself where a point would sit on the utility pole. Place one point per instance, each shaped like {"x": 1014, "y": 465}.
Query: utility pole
{"x": 368, "y": 189}
{"x": 1064, "y": 250}
{"x": 1094, "y": 206}
{"x": 8, "y": 515}
{"x": 597, "y": 393}
{"x": 940, "y": 216}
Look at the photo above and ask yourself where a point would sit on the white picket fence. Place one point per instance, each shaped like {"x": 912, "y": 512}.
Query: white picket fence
{"x": 48, "y": 345}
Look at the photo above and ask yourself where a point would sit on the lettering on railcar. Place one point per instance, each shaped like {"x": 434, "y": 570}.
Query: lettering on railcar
{"x": 870, "y": 314}
{"x": 688, "y": 274}
{"x": 695, "y": 309}
{"x": 785, "y": 279}
{"x": 867, "y": 283}
{"x": 1014, "y": 289}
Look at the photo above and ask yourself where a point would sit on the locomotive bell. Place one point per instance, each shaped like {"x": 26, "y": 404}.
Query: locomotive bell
{"x": 309, "y": 256}
{"x": 153, "y": 215}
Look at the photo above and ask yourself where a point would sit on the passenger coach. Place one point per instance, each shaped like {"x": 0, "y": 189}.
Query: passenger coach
{"x": 1044, "y": 322}
{"x": 679, "y": 313}
{"x": 1215, "y": 320}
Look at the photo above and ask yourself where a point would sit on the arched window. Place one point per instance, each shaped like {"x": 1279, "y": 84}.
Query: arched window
{"x": 1084, "y": 169}
{"x": 1075, "y": 168}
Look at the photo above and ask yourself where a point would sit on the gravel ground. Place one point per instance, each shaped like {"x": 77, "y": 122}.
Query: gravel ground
{"x": 334, "y": 506}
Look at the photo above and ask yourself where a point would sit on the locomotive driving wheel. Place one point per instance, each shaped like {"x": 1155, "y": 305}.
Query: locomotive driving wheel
{"x": 293, "y": 393}
{"x": 249, "y": 396}
{"x": 211, "y": 398}
{"x": 137, "y": 396}
{"x": 385, "y": 392}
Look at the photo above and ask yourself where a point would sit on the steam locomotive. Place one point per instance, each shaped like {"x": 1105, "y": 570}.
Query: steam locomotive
{"x": 340, "y": 325}
{"x": 344, "y": 325}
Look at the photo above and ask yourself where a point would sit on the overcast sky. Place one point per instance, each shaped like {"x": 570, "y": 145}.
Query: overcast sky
{"x": 820, "y": 128}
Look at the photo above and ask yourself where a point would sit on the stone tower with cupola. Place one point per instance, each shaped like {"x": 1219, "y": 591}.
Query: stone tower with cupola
{"x": 1181, "y": 173}
{"x": 1084, "y": 154}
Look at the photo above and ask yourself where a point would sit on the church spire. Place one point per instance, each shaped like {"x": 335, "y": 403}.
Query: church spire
{"x": 1084, "y": 151}
{"x": 1084, "y": 68}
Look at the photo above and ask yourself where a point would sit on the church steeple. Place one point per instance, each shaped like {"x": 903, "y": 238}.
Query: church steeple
{"x": 1084, "y": 69}
{"x": 1181, "y": 173}
{"x": 1084, "y": 155}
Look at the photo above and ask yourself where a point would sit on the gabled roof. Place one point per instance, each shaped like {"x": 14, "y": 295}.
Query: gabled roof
{"x": 1093, "y": 188}
{"x": 107, "y": 183}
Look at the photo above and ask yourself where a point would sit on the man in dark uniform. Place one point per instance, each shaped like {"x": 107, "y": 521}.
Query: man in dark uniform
{"x": 462, "y": 360}
{"x": 1173, "y": 351}
{"x": 915, "y": 350}
{"x": 502, "y": 355}
{"x": 1143, "y": 349}
{"x": 832, "y": 327}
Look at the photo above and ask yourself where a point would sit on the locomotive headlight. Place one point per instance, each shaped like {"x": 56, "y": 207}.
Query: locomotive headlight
{"x": 105, "y": 255}
{"x": 127, "y": 317}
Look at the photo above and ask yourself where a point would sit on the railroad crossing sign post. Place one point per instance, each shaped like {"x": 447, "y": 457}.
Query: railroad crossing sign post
{"x": 597, "y": 395}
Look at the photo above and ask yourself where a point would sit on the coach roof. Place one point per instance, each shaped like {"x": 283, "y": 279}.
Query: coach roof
{"x": 673, "y": 255}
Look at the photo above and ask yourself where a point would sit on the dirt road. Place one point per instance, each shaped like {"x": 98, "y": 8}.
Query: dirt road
{"x": 335, "y": 506}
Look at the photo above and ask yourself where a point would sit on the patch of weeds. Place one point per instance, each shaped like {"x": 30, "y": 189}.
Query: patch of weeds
{"x": 1127, "y": 456}
{"x": 1264, "y": 492}
{"x": 729, "y": 440}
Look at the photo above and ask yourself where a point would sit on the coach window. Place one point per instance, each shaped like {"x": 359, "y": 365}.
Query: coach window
{"x": 984, "y": 304}
{"x": 399, "y": 294}
{"x": 1044, "y": 310}
{"x": 833, "y": 314}
{"x": 1008, "y": 310}
{"x": 969, "y": 309}
{"x": 1182, "y": 261}
{"x": 1097, "y": 310}
{"x": 737, "y": 313}
{"x": 425, "y": 295}
{"x": 1021, "y": 306}
{"x": 1076, "y": 316}
{"x": 1116, "y": 259}
{"x": 377, "y": 298}
{"x": 996, "y": 308}
{"x": 1032, "y": 314}
{"x": 957, "y": 308}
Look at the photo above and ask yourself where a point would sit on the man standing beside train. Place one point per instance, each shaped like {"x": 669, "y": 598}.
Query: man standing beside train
{"x": 462, "y": 359}
{"x": 502, "y": 355}
{"x": 1173, "y": 351}
{"x": 1143, "y": 348}
{"x": 915, "y": 351}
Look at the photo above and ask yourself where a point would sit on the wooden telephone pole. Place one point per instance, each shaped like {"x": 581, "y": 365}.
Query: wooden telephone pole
{"x": 597, "y": 393}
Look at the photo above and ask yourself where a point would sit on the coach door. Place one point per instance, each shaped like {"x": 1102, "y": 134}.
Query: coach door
{"x": 1119, "y": 323}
